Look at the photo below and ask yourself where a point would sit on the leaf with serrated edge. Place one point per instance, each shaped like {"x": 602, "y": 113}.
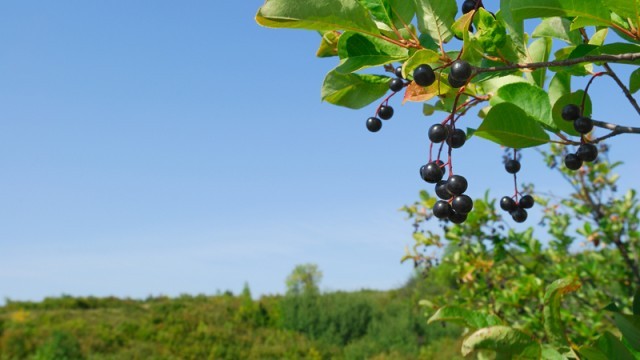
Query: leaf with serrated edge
{"x": 508, "y": 125}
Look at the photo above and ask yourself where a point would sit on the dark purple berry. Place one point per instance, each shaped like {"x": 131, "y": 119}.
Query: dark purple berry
{"x": 441, "y": 209}
{"x": 512, "y": 166}
{"x": 508, "y": 204}
{"x": 519, "y": 215}
{"x": 587, "y": 152}
{"x": 572, "y": 162}
{"x": 468, "y": 5}
{"x": 431, "y": 173}
{"x": 462, "y": 204}
{"x": 460, "y": 70}
{"x": 396, "y": 85}
{"x": 398, "y": 72}
{"x": 457, "y": 138}
{"x": 441, "y": 190}
{"x": 526, "y": 202}
{"x": 570, "y": 112}
{"x": 455, "y": 83}
{"x": 385, "y": 112}
{"x": 583, "y": 125}
{"x": 457, "y": 185}
{"x": 423, "y": 75}
{"x": 437, "y": 133}
{"x": 374, "y": 124}
{"x": 457, "y": 218}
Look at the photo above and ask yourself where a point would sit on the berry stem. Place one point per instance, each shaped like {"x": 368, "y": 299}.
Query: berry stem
{"x": 586, "y": 90}
{"x": 515, "y": 177}
{"x": 385, "y": 102}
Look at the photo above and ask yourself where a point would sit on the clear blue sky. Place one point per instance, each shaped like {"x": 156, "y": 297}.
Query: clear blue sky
{"x": 162, "y": 147}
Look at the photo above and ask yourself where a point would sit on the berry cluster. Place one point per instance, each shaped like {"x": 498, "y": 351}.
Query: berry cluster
{"x": 469, "y": 5}
{"x": 515, "y": 208}
{"x": 454, "y": 204}
{"x": 582, "y": 124}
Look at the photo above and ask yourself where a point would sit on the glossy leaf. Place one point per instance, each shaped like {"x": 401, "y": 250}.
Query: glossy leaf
{"x": 553, "y": 324}
{"x": 508, "y": 125}
{"x": 436, "y": 18}
{"x": 557, "y": 28}
{"x": 316, "y": 15}
{"x": 507, "y": 342}
{"x": 530, "y": 98}
{"x": 358, "y": 51}
{"x": 354, "y": 91}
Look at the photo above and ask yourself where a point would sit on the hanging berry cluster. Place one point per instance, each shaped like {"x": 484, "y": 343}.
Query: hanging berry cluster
{"x": 517, "y": 204}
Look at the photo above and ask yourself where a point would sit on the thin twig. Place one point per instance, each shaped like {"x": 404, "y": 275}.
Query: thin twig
{"x": 568, "y": 62}
{"x": 622, "y": 86}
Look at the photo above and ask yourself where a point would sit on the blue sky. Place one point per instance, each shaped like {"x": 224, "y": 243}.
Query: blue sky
{"x": 152, "y": 147}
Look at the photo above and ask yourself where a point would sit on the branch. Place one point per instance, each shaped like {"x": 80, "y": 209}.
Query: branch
{"x": 622, "y": 86}
{"x": 615, "y": 130}
{"x": 568, "y": 62}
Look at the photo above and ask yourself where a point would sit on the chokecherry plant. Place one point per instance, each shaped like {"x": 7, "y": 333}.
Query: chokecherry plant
{"x": 497, "y": 65}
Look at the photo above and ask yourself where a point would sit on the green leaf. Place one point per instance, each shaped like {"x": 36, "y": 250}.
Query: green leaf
{"x": 599, "y": 37}
{"x": 492, "y": 85}
{"x": 508, "y": 125}
{"x": 539, "y": 51}
{"x": 530, "y": 98}
{"x": 428, "y": 109}
{"x": 359, "y": 51}
{"x": 354, "y": 91}
{"x": 329, "y": 45}
{"x": 515, "y": 29}
{"x": 628, "y": 9}
{"x": 560, "y": 85}
{"x": 549, "y": 353}
{"x": 468, "y": 318}
{"x": 436, "y": 18}
{"x": 553, "y": 324}
{"x": 505, "y": 341}
{"x": 420, "y": 57}
{"x": 573, "y": 98}
{"x": 490, "y": 33}
{"x": 634, "y": 81}
{"x": 613, "y": 348}
{"x": 629, "y": 326}
{"x": 316, "y": 15}
{"x": 558, "y": 28}
{"x": 379, "y": 9}
{"x": 594, "y": 12}
{"x": 402, "y": 12}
